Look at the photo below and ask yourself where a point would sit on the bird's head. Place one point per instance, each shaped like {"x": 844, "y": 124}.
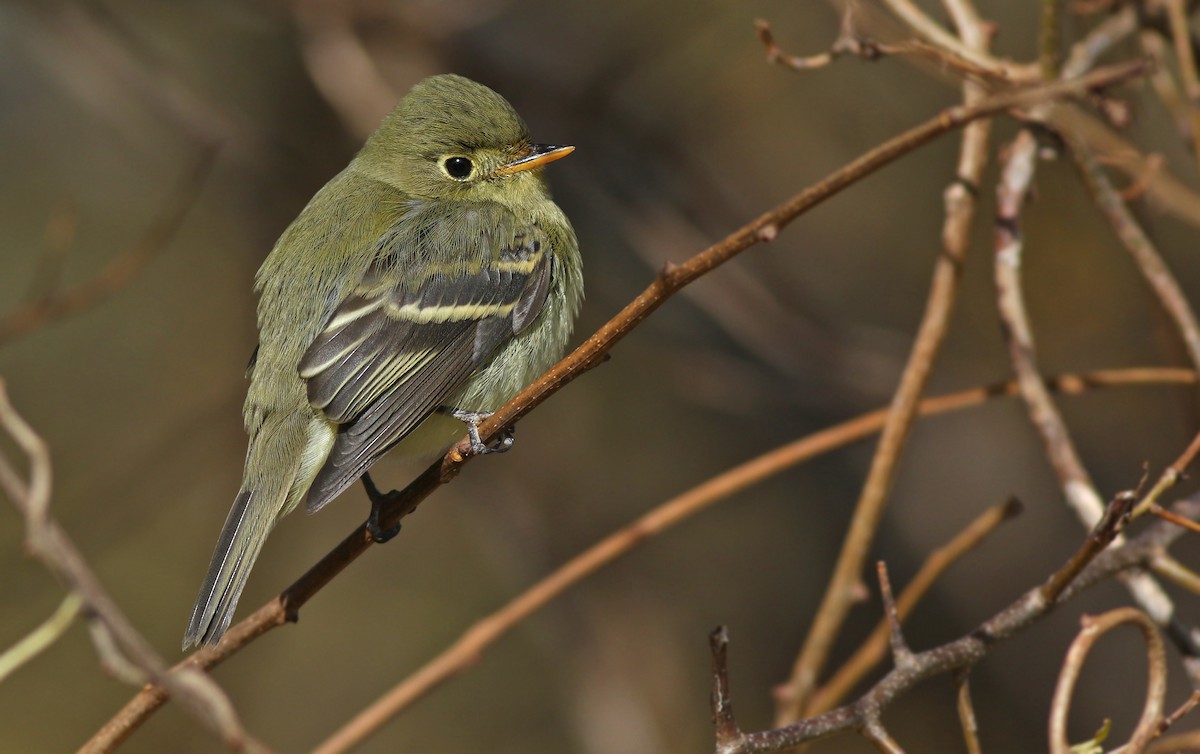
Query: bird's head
{"x": 451, "y": 138}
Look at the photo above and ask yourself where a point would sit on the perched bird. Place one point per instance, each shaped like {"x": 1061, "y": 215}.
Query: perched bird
{"x": 433, "y": 275}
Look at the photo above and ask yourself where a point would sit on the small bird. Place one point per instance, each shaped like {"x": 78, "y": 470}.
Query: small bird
{"x": 434, "y": 275}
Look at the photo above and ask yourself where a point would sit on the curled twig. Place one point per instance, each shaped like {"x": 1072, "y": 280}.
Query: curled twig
{"x": 1093, "y": 629}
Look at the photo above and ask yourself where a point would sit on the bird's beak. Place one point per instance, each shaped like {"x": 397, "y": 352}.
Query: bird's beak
{"x": 538, "y": 155}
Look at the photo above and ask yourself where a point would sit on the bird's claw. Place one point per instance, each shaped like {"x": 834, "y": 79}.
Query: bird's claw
{"x": 378, "y": 499}
{"x": 478, "y": 446}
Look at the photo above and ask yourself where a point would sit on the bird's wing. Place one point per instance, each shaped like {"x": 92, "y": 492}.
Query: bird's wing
{"x": 396, "y": 349}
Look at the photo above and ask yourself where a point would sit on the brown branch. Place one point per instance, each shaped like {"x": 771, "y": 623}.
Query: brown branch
{"x": 1175, "y": 744}
{"x": 122, "y": 649}
{"x": 1149, "y": 261}
{"x": 1077, "y": 487}
{"x": 963, "y": 653}
{"x": 45, "y": 309}
{"x": 1116, "y": 516}
{"x": 727, "y": 731}
{"x": 851, "y": 43}
{"x": 285, "y": 607}
{"x": 966, "y": 712}
{"x": 874, "y": 649}
{"x": 901, "y": 654}
{"x": 1181, "y": 36}
{"x": 960, "y": 201}
{"x": 1093, "y": 628}
{"x": 1170, "y": 476}
{"x": 1048, "y": 47}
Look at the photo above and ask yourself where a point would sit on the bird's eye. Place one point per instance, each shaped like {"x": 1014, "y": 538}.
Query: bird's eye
{"x": 458, "y": 168}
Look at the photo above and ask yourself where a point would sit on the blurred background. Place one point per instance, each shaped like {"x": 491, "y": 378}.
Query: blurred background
{"x": 683, "y": 132}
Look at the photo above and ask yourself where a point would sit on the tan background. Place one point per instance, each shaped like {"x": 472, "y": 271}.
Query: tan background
{"x": 683, "y": 133}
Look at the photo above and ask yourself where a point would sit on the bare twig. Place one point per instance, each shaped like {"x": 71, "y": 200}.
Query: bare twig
{"x": 121, "y": 647}
{"x": 874, "y": 732}
{"x": 1151, "y": 264}
{"x": 44, "y": 309}
{"x": 875, "y": 647}
{"x": 727, "y": 732}
{"x": 963, "y": 653}
{"x": 1167, "y": 515}
{"x": 960, "y": 202}
{"x": 1181, "y": 36}
{"x": 901, "y": 654}
{"x": 850, "y": 43}
{"x": 1110, "y": 526}
{"x": 1078, "y": 489}
{"x": 340, "y": 67}
{"x": 926, "y": 27}
{"x": 42, "y": 637}
{"x": 1093, "y": 628}
{"x": 966, "y": 712}
{"x": 1048, "y": 48}
{"x": 1169, "y": 477}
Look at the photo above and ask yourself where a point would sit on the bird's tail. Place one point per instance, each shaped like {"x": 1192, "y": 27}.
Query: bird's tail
{"x": 242, "y": 538}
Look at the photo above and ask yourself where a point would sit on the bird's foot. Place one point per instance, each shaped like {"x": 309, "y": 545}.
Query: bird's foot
{"x": 478, "y": 446}
{"x": 378, "y": 499}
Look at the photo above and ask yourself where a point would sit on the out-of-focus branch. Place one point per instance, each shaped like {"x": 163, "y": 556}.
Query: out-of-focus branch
{"x": 1093, "y": 629}
{"x": 122, "y": 649}
{"x": 340, "y": 67}
{"x": 961, "y": 654}
{"x": 62, "y": 302}
{"x": 960, "y": 201}
{"x": 42, "y": 637}
{"x": 1048, "y": 46}
{"x": 1181, "y": 36}
{"x": 1151, "y": 264}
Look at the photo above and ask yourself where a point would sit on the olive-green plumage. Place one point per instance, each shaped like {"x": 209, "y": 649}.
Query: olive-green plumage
{"x": 434, "y": 272}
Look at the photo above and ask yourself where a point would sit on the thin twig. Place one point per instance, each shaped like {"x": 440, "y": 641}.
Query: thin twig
{"x": 1167, "y": 515}
{"x": 727, "y": 734}
{"x": 901, "y": 654}
{"x": 960, "y": 202}
{"x": 966, "y": 712}
{"x": 1149, "y": 261}
{"x": 1181, "y": 36}
{"x": 926, "y": 27}
{"x": 42, "y": 637}
{"x": 1116, "y": 516}
{"x": 1093, "y": 628}
{"x": 1048, "y": 44}
{"x": 875, "y": 647}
